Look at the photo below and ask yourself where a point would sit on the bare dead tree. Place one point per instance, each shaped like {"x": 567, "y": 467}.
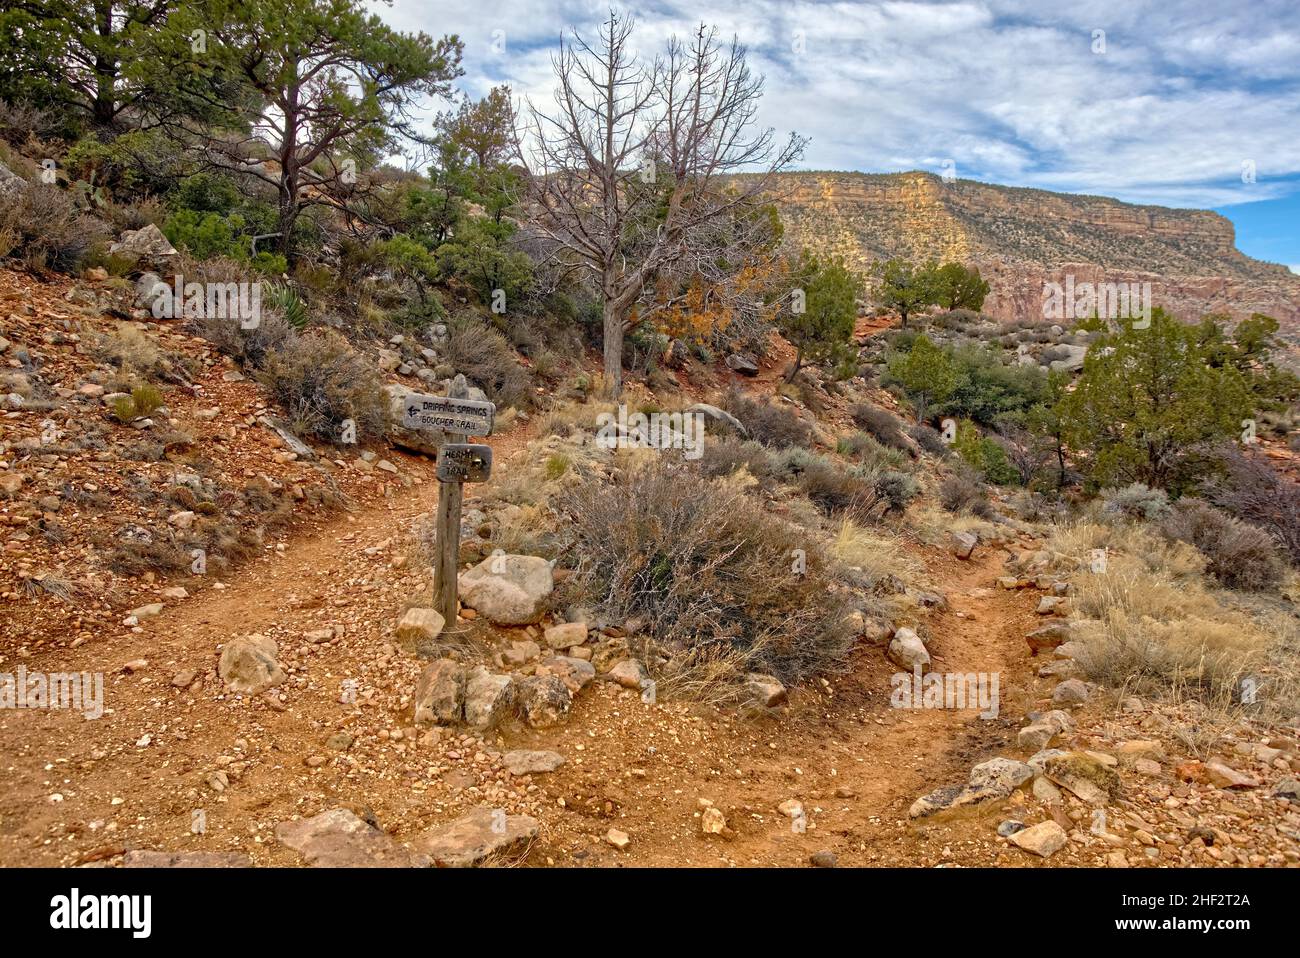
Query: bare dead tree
{"x": 626, "y": 174}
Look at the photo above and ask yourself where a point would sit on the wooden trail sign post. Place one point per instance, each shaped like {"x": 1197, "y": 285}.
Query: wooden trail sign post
{"x": 458, "y": 462}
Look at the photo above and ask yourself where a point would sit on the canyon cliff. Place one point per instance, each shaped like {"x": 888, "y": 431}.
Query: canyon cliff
{"x": 1021, "y": 238}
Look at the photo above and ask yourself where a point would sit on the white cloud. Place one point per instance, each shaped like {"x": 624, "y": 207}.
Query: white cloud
{"x": 1010, "y": 90}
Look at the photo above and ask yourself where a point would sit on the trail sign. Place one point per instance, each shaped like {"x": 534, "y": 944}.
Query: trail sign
{"x": 458, "y": 462}
{"x": 466, "y": 417}
{"x": 464, "y": 462}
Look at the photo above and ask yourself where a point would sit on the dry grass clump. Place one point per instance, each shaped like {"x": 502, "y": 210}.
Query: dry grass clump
{"x": 1154, "y": 625}
{"x": 711, "y": 574}
{"x": 877, "y": 560}
{"x": 43, "y": 226}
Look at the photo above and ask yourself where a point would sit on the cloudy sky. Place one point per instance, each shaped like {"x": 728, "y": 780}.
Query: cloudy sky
{"x": 1172, "y": 102}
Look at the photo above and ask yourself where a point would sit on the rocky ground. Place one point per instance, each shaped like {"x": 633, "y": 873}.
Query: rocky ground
{"x": 276, "y": 710}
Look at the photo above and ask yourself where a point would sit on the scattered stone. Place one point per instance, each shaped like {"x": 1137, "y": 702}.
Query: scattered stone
{"x": 520, "y": 653}
{"x": 488, "y": 697}
{"x": 1009, "y": 827}
{"x": 508, "y": 589}
{"x": 482, "y": 835}
{"x": 1002, "y": 773}
{"x": 1288, "y": 788}
{"x": 608, "y": 653}
{"x": 742, "y": 363}
{"x": 1049, "y": 637}
{"x": 907, "y": 650}
{"x": 566, "y": 636}
{"x": 1070, "y": 692}
{"x": 147, "y": 248}
{"x": 339, "y": 839}
{"x": 823, "y": 859}
{"x": 1053, "y": 605}
{"x": 1035, "y": 737}
{"x": 1225, "y": 776}
{"x": 573, "y": 672}
{"x": 440, "y": 693}
{"x": 1091, "y": 780}
{"x": 531, "y": 761}
{"x": 248, "y": 665}
{"x": 618, "y": 839}
{"x": 418, "y": 628}
{"x": 146, "y": 858}
{"x": 630, "y": 674}
{"x": 963, "y": 544}
{"x": 712, "y": 821}
{"x": 954, "y": 796}
{"x": 765, "y": 691}
{"x": 1044, "y": 839}
{"x": 543, "y": 700}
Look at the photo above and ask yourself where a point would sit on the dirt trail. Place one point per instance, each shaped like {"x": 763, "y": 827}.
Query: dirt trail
{"x": 854, "y": 762}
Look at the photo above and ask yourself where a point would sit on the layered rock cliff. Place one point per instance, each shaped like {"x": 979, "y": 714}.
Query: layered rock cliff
{"x": 1023, "y": 238}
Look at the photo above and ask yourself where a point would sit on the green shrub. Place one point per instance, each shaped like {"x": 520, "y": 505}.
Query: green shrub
{"x": 1239, "y": 555}
{"x": 1135, "y": 501}
{"x": 43, "y": 225}
{"x": 880, "y": 424}
{"x": 322, "y": 382}
{"x": 484, "y": 356}
{"x": 711, "y": 573}
{"x": 985, "y": 454}
{"x": 770, "y": 424}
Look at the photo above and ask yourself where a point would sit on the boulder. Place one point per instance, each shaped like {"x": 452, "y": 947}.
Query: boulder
{"x": 543, "y": 700}
{"x": 955, "y": 796}
{"x": 248, "y": 665}
{"x": 418, "y": 628}
{"x": 1033, "y": 738}
{"x": 339, "y": 839}
{"x": 630, "y": 674}
{"x": 1225, "y": 776}
{"x": 719, "y": 415}
{"x": 574, "y": 673}
{"x": 566, "y": 635}
{"x": 1044, "y": 839}
{"x": 963, "y": 544}
{"x": 1090, "y": 779}
{"x": 488, "y": 697}
{"x": 508, "y": 589}
{"x": 440, "y": 694}
{"x": 608, "y": 653}
{"x": 1049, "y": 636}
{"x": 146, "y": 248}
{"x": 483, "y": 834}
{"x": 1003, "y": 773}
{"x": 1070, "y": 692}
{"x": 11, "y": 184}
{"x": 743, "y": 364}
{"x": 527, "y": 761}
{"x": 765, "y": 691}
{"x": 907, "y": 650}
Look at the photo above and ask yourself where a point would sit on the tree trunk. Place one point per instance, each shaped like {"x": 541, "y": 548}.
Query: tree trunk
{"x": 613, "y": 332}
{"x": 798, "y": 363}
